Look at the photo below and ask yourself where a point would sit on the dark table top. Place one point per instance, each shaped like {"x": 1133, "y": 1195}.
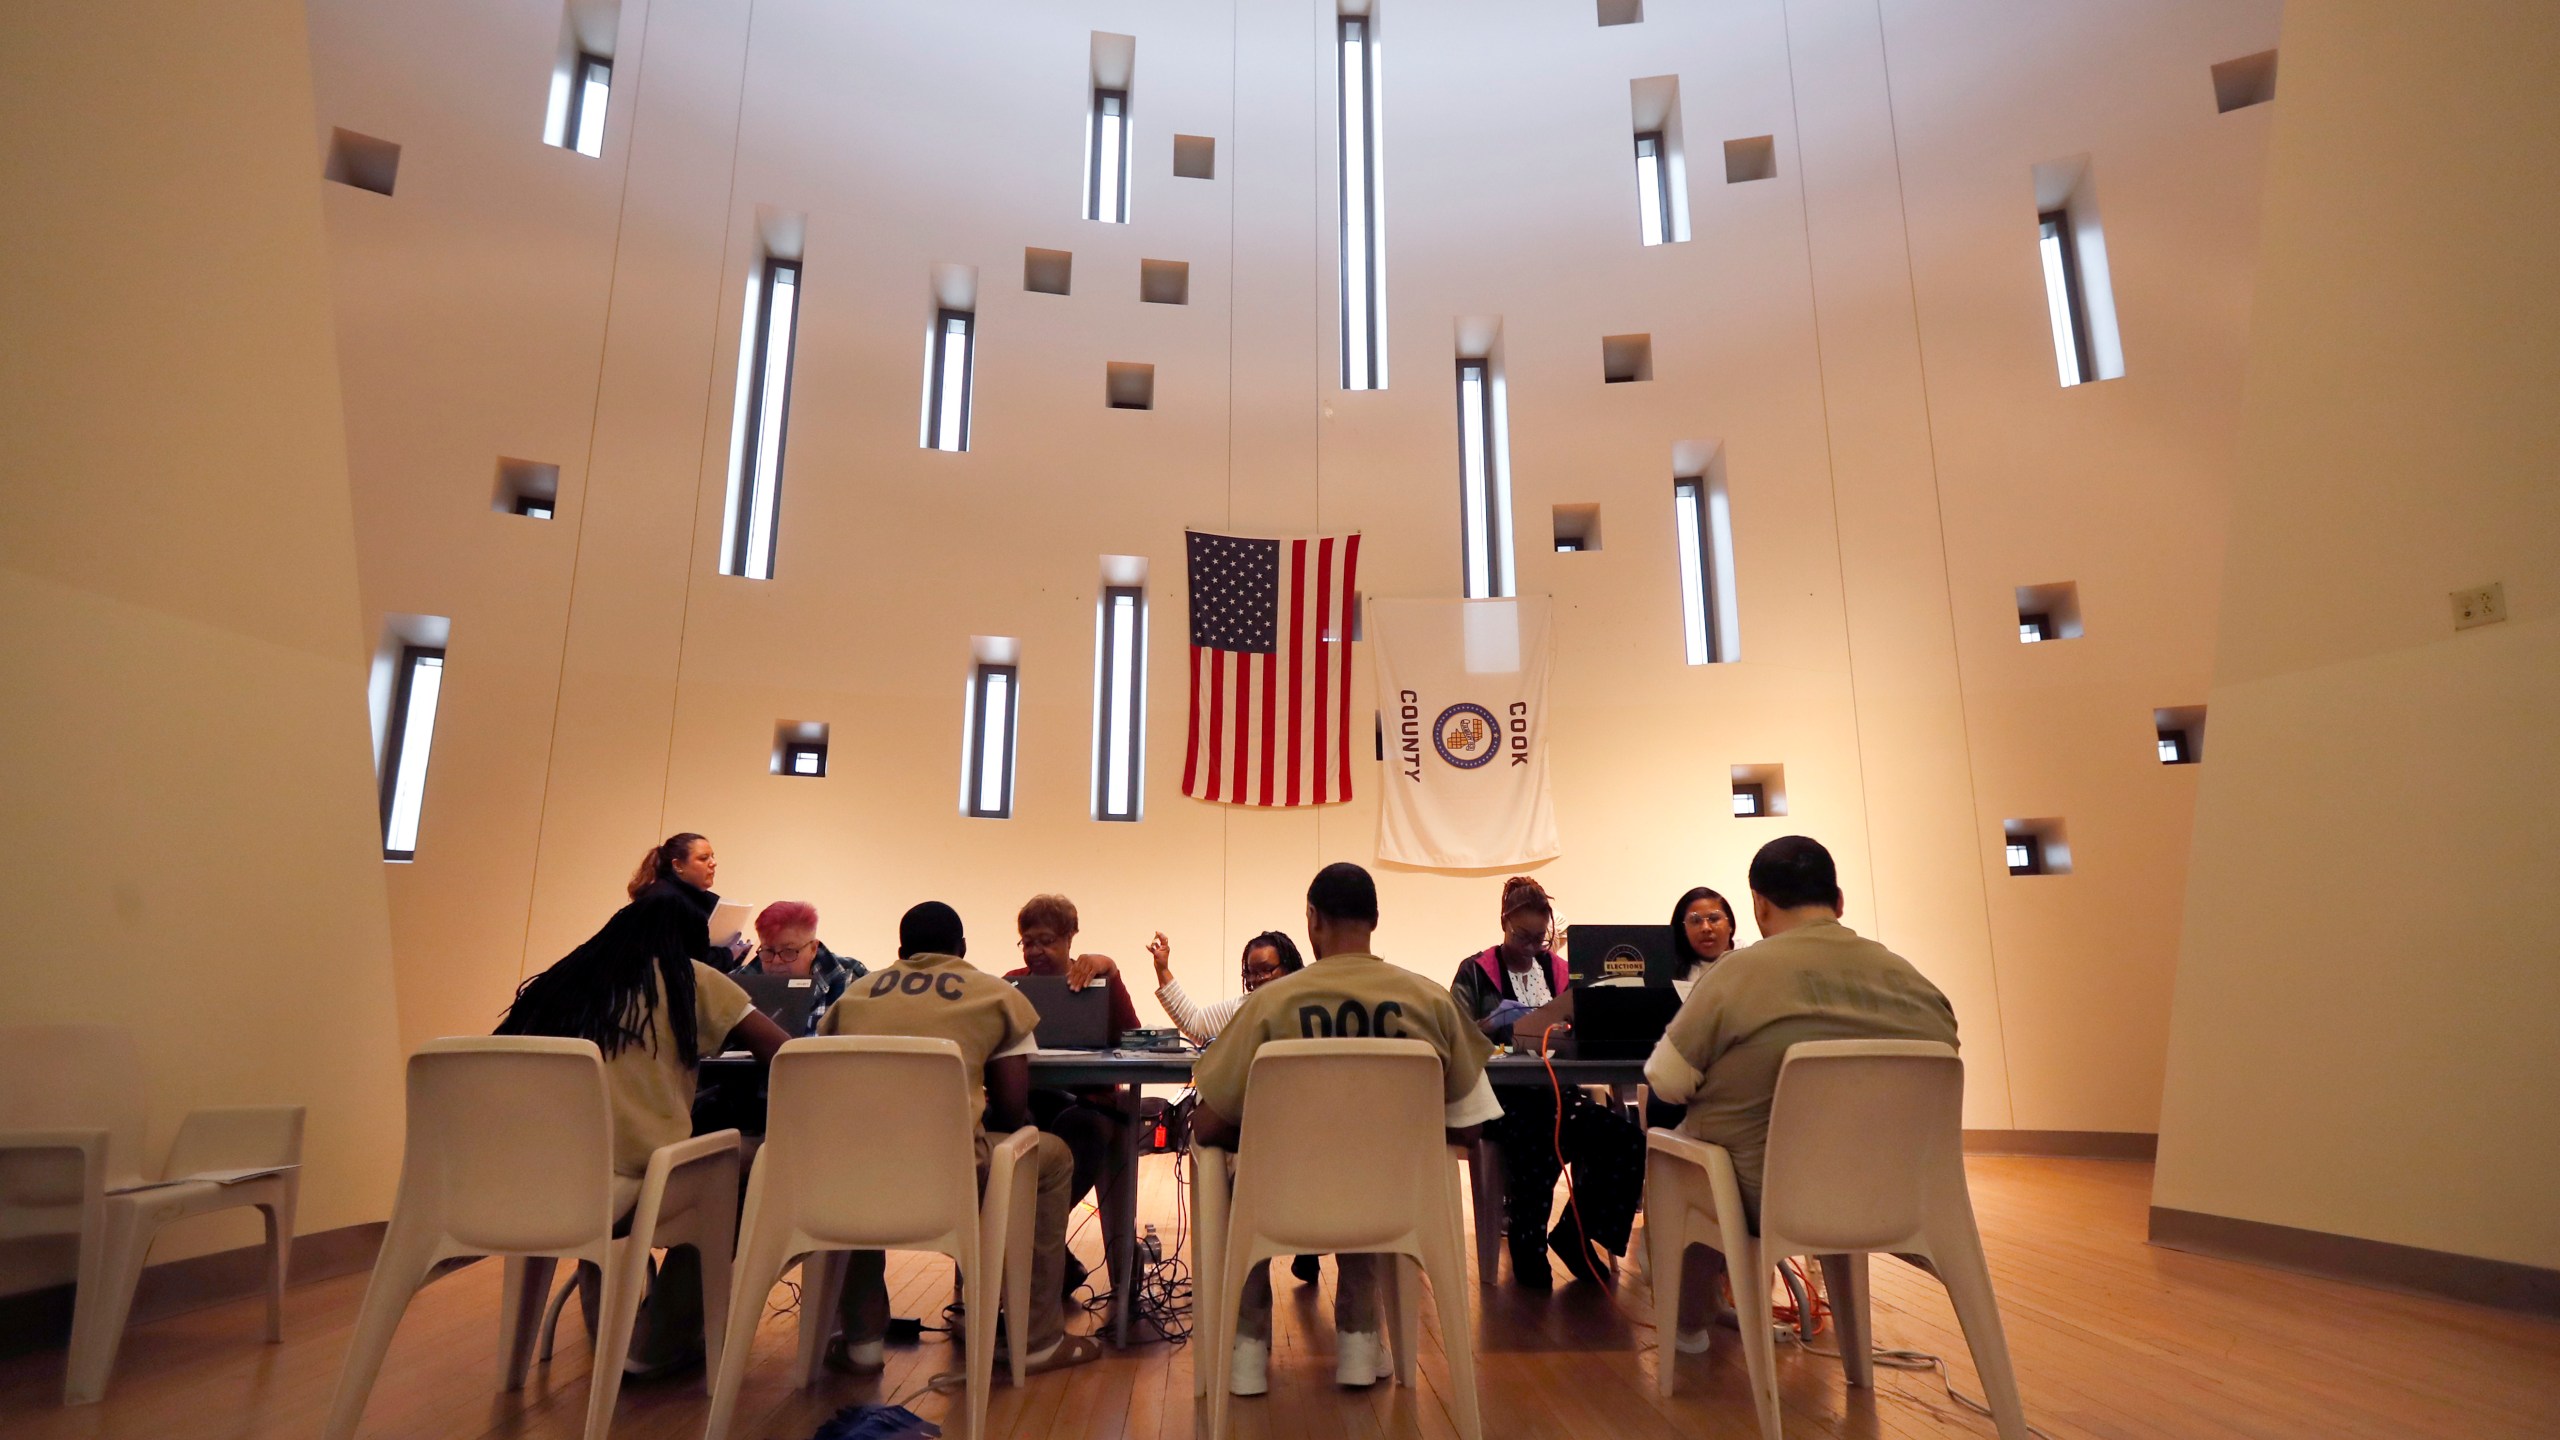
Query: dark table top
{"x": 1149, "y": 1067}
{"x": 1127, "y": 1067}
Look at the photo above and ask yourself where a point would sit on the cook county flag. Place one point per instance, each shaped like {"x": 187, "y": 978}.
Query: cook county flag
{"x": 1270, "y": 669}
{"x": 1463, "y": 688}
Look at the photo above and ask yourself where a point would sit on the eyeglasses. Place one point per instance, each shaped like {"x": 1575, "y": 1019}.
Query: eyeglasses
{"x": 787, "y": 952}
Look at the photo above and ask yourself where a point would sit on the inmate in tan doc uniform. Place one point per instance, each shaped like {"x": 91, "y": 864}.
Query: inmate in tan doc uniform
{"x": 941, "y": 997}
{"x": 1346, "y": 997}
{"x": 651, "y": 1090}
{"x": 1822, "y": 981}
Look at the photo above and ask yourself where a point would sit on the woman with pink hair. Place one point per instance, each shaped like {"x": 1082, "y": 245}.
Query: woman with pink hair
{"x": 787, "y": 944}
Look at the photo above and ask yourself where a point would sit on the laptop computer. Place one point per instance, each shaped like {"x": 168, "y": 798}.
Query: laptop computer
{"x": 1069, "y": 1019}
{"x": 1620, "y": 1022}
{"x": 783, "y": 998}
{"x": 1640, "y": 953}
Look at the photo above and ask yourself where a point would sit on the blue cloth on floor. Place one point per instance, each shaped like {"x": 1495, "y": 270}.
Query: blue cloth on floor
{"x": 877, "y": 1422}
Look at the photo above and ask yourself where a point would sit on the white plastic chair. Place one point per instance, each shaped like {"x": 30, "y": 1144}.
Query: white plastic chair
{"x": 1297, "y": 1192}
{"x": 1211, "y": 1184}
{"x": 838, "y": 1174}
{"x": 510, "y": 1153}
{"x": 72, "y": 1113}
{"x": 1866, "y": 1153}
{"x": 1485, "y": 1181}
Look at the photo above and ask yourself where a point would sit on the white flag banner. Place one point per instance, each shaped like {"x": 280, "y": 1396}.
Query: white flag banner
{"x": 1463, "y": 688}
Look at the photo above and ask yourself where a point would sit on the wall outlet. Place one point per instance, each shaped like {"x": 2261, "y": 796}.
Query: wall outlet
{"x": 2480, "y": 605}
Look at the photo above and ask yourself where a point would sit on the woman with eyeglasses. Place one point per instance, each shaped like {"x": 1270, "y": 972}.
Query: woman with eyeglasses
{"x": 1701, "y": 934}
{"x": 787, "y": 944}
{"x": 1267, "y": 957}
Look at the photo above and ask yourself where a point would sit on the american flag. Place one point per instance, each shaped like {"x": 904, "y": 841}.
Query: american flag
{"x": 1270, "y": 669}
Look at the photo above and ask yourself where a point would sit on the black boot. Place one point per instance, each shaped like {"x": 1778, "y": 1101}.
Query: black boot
{"x": 1529, "y": 1268}
{"x": 1580, "y": 1256}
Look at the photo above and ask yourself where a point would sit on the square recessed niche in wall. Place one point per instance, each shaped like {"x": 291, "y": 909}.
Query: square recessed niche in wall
{"x": 1047, "y": 272}
{"x": 1195, "y": 157}
{"x": 1577, "y": 528}
{"x": 1164, "y": 282}
{"x": 1753, "y": 159}
{"x": 526, "y": 487}
{"x": 362, "y": 161}
{"x": 1621, "y": 12}
{"x": 2180, "y": 731}
{"x": 1127, "y": 385}
{"x": 2048, "y": 612}
{"x": 800, "y": 749}
{"x": 2249, "y": 80}
{"x": 2036, "y": 847}
{"x": 1625, "y": 358}
{"x": 1759, "y": 791}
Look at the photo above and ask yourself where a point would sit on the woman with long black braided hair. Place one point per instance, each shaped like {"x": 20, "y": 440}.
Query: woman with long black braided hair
{"x": 636, "y": 991}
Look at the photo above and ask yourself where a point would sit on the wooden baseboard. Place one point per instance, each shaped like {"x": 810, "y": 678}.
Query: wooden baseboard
{"x": 2501, "y": 1284}
{"x": 2075, "y": 1144}
{"x": 41, "y": 1319}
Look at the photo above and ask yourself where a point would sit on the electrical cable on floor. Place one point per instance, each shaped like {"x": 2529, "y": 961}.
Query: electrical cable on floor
{"x": 788, "y": 1307}
{"x": 1572, "y": 1200}
{"x": 1161, "y": 1285}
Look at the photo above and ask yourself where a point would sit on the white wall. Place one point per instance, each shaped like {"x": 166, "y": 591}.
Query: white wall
{"x": 1863, "y": 336}
{"x": 2367, "y": 1029}
{"x": 183, "y": 742}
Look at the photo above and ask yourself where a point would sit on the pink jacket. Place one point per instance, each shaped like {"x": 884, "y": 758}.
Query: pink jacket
{"x": 1490, "y": 962}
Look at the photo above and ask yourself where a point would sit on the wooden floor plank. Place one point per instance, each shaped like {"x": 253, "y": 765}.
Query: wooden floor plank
{"x": 2112, "y": 1339}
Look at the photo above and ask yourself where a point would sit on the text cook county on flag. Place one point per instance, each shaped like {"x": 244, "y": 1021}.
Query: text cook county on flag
{"x": 1270, "y": 669}
{"x": 1463, "y": 684}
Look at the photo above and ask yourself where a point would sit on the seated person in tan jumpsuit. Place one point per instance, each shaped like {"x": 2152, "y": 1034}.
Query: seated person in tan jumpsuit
{"x": 933, "y": 992}
{"x": 1342, "y": 913}
{"x": 1809, "y": 978}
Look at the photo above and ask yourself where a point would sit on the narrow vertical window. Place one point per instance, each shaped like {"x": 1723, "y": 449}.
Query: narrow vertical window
{"x": 755, "y": 492}
{"x": 1363, "y": 249}
{"x": 992, "y": 707}
{"x": 1120, "y": 719}
{"x": 1106, "y": 180}
{"x": 412, "y": 732}
{"x": 1482, "y": 515}
{"x": 590, "y": 87}
{"x": 1653, "y": 189}
{"x": 2071, "y": 251}
{"x": 947, "y": 369}
{"x": 1702, "y": 522}
{"x": 1697, "y": 570}
{"x": 2062, "y": 296}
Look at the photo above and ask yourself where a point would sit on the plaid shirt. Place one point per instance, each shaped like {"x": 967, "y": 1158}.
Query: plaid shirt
{"x": 829, "y": 973}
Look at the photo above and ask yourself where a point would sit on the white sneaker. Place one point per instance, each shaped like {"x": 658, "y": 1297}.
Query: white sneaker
{"x": 1694, "y": 1342}
{"x": 1359, "y": 1359}
{"x": 1249, "y": 1368}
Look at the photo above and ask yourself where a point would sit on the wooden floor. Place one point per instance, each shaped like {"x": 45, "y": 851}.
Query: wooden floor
{"x": 2111, "y": 1338}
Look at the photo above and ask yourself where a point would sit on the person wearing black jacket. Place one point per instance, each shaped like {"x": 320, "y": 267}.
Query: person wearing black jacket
{"x": 682, "y": 866}
{"x": 1604, "y": 1148}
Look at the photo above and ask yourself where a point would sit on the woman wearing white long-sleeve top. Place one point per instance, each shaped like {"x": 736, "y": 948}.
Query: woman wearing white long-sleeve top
{"x": 1267, "y": 957}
